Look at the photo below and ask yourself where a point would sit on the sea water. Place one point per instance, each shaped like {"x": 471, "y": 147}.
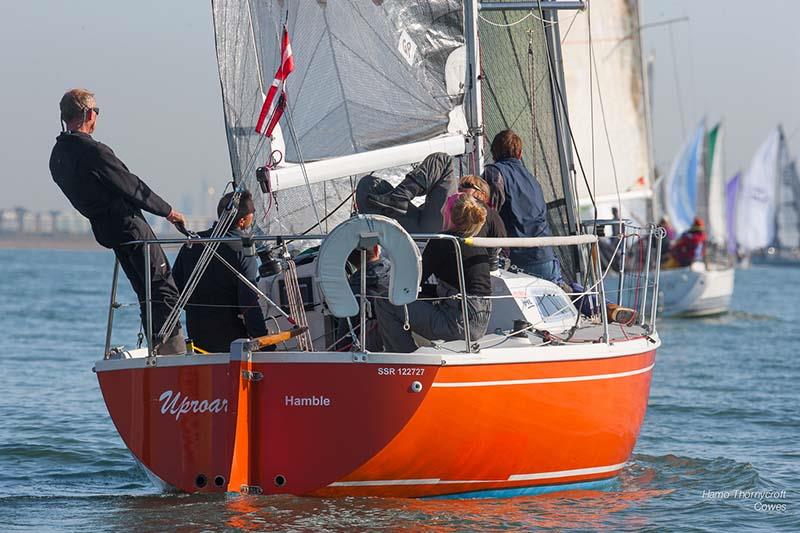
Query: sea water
{"x": 719, "y": 449}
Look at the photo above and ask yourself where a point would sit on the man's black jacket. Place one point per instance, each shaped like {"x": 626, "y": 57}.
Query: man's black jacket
{"x": 214, "y": 309}
{"x": 102, "y": 188}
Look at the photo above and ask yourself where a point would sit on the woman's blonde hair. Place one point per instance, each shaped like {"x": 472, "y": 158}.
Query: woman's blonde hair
{"x": 466, "y": 215}
{"x": 477, "y": 184}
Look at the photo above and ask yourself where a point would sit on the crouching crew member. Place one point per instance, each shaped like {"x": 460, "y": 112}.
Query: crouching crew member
{"x": 103, "y": 190}
{"x": 222, "y": 307}
{"x": 442, "y": 319}
{"x": 433, "y": 178}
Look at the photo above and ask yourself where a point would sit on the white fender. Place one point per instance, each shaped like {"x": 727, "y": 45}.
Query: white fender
{"x": 399, "y": 247}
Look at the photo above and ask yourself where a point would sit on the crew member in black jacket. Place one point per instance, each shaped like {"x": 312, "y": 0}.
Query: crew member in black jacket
{"x": 222, "y": 307}
{"x": 103, "y": 190}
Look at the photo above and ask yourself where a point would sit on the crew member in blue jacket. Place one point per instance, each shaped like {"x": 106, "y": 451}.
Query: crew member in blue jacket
{"x": 518, "y": 197}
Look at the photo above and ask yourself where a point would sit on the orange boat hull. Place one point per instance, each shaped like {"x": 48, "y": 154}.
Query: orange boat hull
{"x": 400, "y": 426}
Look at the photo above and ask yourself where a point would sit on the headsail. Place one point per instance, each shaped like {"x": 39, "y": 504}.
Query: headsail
{"x": 680, "y": 185}
{"x": 619, "y": 163}
{"x": 368, "y": 76}
{"x": 755, "y": 204}
{"x": 715, "y": 186}
{"x": 731, "y": 192}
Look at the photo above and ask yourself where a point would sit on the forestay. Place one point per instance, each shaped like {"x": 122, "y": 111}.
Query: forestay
{"x": 368, "y": 76}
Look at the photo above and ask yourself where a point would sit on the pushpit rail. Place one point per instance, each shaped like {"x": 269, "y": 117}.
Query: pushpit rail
{"x": 507, "y": 242}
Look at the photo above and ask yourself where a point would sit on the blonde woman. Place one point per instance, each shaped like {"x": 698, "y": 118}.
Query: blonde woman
{"x": 442, "y": 319}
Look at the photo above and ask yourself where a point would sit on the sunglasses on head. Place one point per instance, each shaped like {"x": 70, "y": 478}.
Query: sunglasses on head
{"x": 469, "y": 186}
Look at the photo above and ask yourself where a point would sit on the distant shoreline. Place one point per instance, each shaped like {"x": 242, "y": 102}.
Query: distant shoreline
{"x": 52, "y": 242}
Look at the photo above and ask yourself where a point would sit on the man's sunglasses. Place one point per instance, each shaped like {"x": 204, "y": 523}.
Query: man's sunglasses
{"x": 95, "y": 109}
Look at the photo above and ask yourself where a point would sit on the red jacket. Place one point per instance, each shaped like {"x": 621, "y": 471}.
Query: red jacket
{"x": 688, "y": 248}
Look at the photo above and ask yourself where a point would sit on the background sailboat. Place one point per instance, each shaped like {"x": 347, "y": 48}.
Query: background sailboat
{"x": 768, "y": 205}
{"x": 609, "y": 112}
{"x": 693, "y": 188}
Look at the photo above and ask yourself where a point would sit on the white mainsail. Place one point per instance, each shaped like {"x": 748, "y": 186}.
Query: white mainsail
{"x": 755, "y": 202}
{"x": 616, "y": 92}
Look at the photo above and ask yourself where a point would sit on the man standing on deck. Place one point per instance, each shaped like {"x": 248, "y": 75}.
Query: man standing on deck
{"x": 103, "y": 190}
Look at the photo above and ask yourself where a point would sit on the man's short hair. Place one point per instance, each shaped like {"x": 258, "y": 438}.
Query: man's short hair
{"x": 246, "y": 205}
{"x": 506, "y": 145}
{"x": 74, "y": 104}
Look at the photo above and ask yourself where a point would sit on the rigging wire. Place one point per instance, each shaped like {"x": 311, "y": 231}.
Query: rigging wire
{"x": 569, "y": 28}
{"x": 530, "y": 14}
{"x": 677, "y": 81}
{"x": 593, "y": 65}
{"x": 565, "y": 115}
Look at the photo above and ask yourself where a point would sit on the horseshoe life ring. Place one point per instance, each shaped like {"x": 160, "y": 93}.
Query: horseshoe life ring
{"x": 399, "y": 247}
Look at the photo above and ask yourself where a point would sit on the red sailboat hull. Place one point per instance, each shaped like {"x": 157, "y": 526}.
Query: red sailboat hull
{"x": 381, "y": 424}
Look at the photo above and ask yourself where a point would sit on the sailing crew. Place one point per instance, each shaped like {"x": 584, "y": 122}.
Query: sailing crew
{"x": 222, "y": 307}
{"x": 476, "y": 187}
{"x": 377, "y": 286}
{"x": 442, "y": 319}
{"x": 689, "y": 247}
{"x": 433, "y": 178}
{"x": 103, "y": 190}
{"x": 518, "y": 197}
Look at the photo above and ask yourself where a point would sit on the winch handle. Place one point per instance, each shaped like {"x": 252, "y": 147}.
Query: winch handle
{"x": 281, "y": 336}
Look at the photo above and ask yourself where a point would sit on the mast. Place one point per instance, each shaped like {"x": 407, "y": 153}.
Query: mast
{"x": 473, "y": 86}
{"x": 645, "y": 64}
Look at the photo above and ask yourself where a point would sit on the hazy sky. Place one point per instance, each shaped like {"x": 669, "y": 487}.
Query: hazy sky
{"x": 152, "y": 66}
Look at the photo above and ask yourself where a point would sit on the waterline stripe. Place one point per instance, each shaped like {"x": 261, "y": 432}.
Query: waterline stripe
{"x": 566, "y": 473}
{"x": 544, "y": 380}
{"x": 514, "y": 477}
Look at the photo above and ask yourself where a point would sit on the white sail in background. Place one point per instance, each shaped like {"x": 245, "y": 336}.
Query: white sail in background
{"x": 715, "y": 181}
{"x": 788, "y": 217}
{"x": 618, "y": 81}
{"x": 755, "y": 203}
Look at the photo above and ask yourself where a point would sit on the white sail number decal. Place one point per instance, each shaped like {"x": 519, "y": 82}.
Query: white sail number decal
{"x": 176, "y": 404}
{"x": 407, "y": 47}
{"x": 401, "y": 371}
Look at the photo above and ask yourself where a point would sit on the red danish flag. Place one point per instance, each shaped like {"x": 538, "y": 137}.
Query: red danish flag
{"x": 274, "y": 107}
